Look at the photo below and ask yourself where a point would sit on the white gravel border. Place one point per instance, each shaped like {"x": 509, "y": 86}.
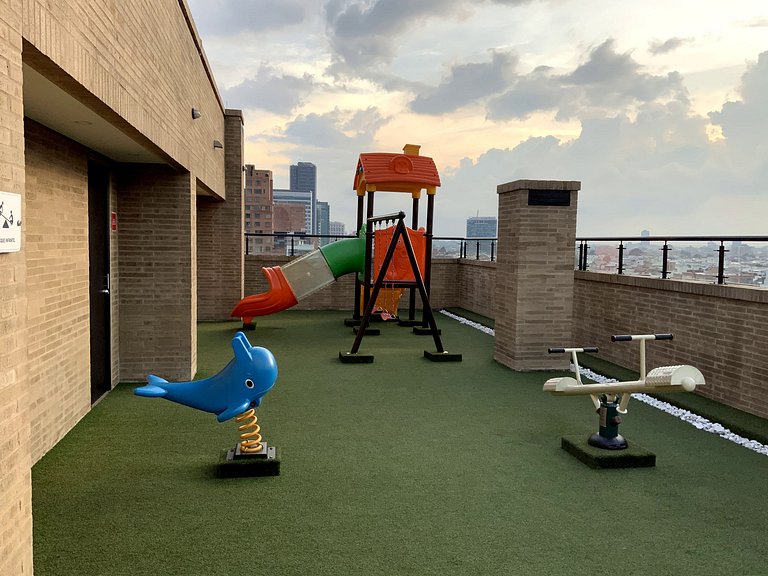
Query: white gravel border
{"x": 686, "y": 416}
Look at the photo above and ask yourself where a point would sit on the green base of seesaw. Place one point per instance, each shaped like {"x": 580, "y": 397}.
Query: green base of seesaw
{"x": 634, "y": 456}
{"x": 233, "y": 464}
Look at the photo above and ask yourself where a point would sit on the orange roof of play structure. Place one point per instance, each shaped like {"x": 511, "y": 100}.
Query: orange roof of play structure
{"x": 387, "y": 172}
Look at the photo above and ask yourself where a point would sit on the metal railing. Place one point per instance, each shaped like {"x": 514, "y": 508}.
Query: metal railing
{"x": 291, "y": 244}
{"x": 288, "y": 243}
{"x": 476, "y": 248}
{"x": 703, "y": 255}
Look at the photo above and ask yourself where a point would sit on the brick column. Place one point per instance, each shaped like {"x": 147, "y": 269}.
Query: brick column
{"x": 534, "y": 273}
{"x": 157, "y": 270}
{"x": 15, "y": 454}
{"x": 220, "y": 241}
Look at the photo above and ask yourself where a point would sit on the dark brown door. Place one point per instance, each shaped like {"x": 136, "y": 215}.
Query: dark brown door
{"x": 98, "y": 252}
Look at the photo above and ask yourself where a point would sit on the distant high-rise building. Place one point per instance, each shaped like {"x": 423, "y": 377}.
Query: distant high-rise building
{"x": 645, "y": 234}
{"x": 301, "y": 203}
{"x": 323, "y": 210}
{"x": 257, "y": 194}
{"x": 481, "y": 227}
{"x": 304, "y": 179}
{"x": 336, "y": 228}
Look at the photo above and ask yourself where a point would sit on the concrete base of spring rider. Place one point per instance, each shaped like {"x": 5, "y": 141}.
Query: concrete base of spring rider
{"x": 233, "y": 463}
{"x": 633, "y": 456}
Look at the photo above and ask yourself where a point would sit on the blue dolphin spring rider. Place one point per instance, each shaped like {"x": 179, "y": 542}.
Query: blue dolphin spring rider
{"x": 232, "y": 393}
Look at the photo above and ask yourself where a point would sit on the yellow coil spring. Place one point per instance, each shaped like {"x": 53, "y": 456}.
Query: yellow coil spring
{"x": 249, "y": 441}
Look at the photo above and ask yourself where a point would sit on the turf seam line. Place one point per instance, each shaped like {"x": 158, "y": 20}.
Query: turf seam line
{"x": 694, "y": 420}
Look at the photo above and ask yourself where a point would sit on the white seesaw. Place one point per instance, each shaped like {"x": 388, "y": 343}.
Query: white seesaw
{"x": 611, "y": 399}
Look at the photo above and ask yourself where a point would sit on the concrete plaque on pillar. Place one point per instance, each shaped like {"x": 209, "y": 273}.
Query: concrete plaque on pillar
{"x": 534, "y": 273}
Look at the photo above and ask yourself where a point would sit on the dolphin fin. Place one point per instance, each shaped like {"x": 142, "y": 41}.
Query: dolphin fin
{"x": 233, "y": 411}
{"x": 242, "y": 348}
{"x": 152, "y": 390}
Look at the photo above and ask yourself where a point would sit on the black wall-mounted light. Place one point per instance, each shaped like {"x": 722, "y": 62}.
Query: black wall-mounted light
{"x": 196, "y": 114}
{"x": 217, "y": 144}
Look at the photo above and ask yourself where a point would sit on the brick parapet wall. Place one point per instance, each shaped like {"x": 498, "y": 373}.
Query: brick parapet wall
{"x": 15, "y": 451}
{"x": 220, "y": 244}
{"x": 138, "y": 64}
{"x": 158, "y": 272}
{"x": 721, "y": 330}
{"x": 476, "y": 286}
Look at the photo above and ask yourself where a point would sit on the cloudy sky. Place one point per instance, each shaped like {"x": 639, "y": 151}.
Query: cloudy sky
{"x": 659, "y": 108}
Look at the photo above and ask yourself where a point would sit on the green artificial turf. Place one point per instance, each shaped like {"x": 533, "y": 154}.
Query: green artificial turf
{"x": 403, "y": 466}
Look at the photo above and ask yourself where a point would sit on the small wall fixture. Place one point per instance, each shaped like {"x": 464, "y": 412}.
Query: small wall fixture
{"x": 217, "y": 144}
{"x": 195, "y": 114}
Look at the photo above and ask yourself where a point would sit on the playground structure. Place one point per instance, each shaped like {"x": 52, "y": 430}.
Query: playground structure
{"x": 407, "y": 173}
{"x": 376, "y": 172}
{"x": 400, "y": 234}
{"x": 401, "y": 261}
{"x": 234, "y": 392}
{"x": 611, "y": 399}
{"x": 404, "y": 173}
{"x": 302, "y": 277}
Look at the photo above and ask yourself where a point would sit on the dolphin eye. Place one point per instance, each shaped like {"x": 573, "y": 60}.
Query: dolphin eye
{"x": 249, "y": 383}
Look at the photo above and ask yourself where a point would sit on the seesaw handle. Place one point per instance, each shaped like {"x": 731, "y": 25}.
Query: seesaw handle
{"x": 593, "y": 349}
{"x": 627, "y": 337}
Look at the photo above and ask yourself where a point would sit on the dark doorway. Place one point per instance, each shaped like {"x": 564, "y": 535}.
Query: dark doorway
{"x": 98, "y": 254}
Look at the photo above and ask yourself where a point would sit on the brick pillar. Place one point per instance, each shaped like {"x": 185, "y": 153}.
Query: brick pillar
{"x": 15, "y": 453}
{"x": 534, "y": 273}
{"x": 157, "y": 269}
{"x": 220, "y": 241}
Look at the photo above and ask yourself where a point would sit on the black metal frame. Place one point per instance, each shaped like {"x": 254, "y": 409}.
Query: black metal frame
{"x": 584, "y": 248}
{"x": 370, "y": 302}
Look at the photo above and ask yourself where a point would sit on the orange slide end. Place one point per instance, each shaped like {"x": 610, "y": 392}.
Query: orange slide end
{"x": 279, "y": 297}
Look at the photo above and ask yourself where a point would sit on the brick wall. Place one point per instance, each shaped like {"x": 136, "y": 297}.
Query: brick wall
{"x": 15, "y": 459}
{"x": 158, "y": 272}
{"x": 721, "y": 330}
{"x": 534, "y": 274}
{"x": 137, "y": 63}
{"x": 443, "y": 288}
{"x": 56, "y": 223}
{"x": 476, "y": 282}
{"x": 220, "y": 230}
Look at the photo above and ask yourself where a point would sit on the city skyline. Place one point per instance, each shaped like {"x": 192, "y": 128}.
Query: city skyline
{"x": 657, "y": 108}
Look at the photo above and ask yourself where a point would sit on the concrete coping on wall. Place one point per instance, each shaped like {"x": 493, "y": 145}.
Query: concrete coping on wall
{"x": 745, "y": 293}
{"x": 569, "y": 185}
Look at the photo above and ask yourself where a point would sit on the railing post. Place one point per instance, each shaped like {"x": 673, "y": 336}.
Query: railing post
{"x": 721, "y": 263}
{"x": 292, "y": 246}
{"x": 583, "y": 264}
{"x": 665, "y": 260}
{"x": 463, "y": 249}
{"x": 477, "y": 250}
{"x": 247, "y": 245}
{"x": 493, "y": 246}
{"x": 581, "y": 254}
{"x": 621, "y": 256}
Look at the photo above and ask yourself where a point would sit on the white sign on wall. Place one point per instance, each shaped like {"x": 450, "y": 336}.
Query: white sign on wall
{"x": 10, "y": 222}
